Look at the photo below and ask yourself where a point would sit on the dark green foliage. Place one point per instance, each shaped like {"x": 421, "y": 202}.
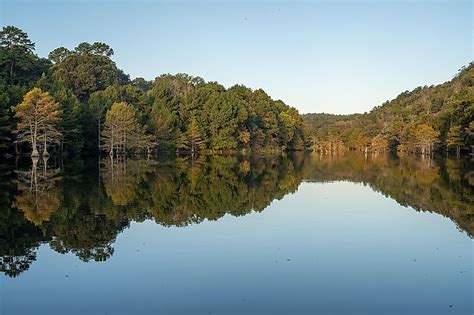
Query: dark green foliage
{"x": 87, "y": 73}
{"x": 86, "y": 69}
{"x": 70, "y": 125}
{"x": 185, "y": 113}
{"x": 5, "y": 117}
{"x": 227, "y": 119}
{"x": 18, "y": 63}
{"x": 20, "y": 68}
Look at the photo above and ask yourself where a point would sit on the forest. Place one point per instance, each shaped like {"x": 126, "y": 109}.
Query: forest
{"x": 77, "y": 102}
{"x": 426, "y": 120}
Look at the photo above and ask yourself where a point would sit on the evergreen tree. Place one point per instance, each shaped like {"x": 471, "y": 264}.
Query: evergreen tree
{"x": 193, "y": 135}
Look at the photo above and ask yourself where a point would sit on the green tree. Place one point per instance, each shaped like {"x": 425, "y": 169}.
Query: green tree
{"x": 88, "y": 68}
{"x": 470, "y": 132}
{"x": 425, "y": 137}
{"x": 194, "y": 141}
{"x": 5, "y": 120}
{"x": 455, "y": 138}
{"x": 70, "y": 124}
{"x": 122, "y": 130}
{"x": 16, "y": 52}
{"x": 288, "y": 125}
{"x": 225, "y": 114}
{"x": 59, "y": 54}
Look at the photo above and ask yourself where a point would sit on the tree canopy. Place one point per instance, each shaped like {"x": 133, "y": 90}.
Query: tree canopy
{"x": 183, "y": 113}
{"x": 421, "y": 121}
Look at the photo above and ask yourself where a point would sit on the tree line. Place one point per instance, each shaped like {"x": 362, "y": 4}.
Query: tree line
{"x": 425, "y": 120}
{"x": 78, "y": 101}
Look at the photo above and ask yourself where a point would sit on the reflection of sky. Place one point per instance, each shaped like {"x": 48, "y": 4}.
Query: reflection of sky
{"x": 350, "y": 251}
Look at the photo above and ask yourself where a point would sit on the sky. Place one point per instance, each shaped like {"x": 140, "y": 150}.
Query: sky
{"x": 318, "y": 56}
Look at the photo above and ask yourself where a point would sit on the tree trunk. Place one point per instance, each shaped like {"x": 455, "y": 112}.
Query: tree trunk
{"x": 45, "y": 166}
{"x": 45, "y": 151}
{"x": 33, "y": 182}
{"x": 99, "y": 134}
{"x": 34, "y": 152}
{"x": 111, "y": 152}
{"x": 11, "y": 72}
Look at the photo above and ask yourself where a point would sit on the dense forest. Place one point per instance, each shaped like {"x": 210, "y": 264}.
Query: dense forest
{"x": 427, "y": 119}
{"x": 78, "y": 101}
{"x": 81, "y": 208}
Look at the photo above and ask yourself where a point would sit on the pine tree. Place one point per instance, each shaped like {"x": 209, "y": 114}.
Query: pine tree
{"x": 194, "y": 136}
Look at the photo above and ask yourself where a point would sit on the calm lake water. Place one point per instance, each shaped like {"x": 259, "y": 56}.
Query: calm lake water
{"x": 294, "y": 234}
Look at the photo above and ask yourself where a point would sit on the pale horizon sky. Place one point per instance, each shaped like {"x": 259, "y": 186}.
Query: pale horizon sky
{"x": 318, "y": 56}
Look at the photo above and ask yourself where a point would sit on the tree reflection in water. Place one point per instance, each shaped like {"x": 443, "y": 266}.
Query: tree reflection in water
{"x": 82, "y": 210}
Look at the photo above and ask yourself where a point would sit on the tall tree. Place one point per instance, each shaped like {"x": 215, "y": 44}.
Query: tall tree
{"x": 16, "y": 52}
{"x": 470, "y": 132}
{"x": 70, "y": 124}
{"x": 5, "y": 121}
{"x": 194, "y": 141}
{"x": 59, "y": 54}
{"x": 37, "y": 116}
{"x": 122, "y": 130}
{"x": 455, "y": 139}
{"x": 86, "y": 69}
{"x": 425, "y": 137}
{"x": 288, "y": 125}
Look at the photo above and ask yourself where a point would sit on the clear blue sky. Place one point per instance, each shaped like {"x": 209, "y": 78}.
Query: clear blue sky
{"x": 338, "y": 57}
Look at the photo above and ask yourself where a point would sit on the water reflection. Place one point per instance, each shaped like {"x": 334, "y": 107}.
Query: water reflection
{"x": 38, "y": 193}
{"x": 82, "y": 209}
{"x": 443, "y": 186}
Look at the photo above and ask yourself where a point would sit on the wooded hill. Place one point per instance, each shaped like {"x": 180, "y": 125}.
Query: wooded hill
{"x": 79, "y": 101}
{"x": 424, "y": 120}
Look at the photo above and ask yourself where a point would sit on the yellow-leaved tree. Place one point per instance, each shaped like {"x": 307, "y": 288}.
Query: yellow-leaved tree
{"x": 37, "y": 116}
{"x": 122, "y": 131}
{"x": 426, "y": 137}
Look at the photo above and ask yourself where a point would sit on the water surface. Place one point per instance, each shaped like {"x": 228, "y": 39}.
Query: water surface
{"x": 294, "y": 234}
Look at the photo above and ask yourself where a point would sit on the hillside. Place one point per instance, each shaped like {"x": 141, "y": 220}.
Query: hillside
{"x": 427, "y": 119}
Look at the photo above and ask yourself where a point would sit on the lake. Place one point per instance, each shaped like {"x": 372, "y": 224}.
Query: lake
{"x": 248, "y": 234}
